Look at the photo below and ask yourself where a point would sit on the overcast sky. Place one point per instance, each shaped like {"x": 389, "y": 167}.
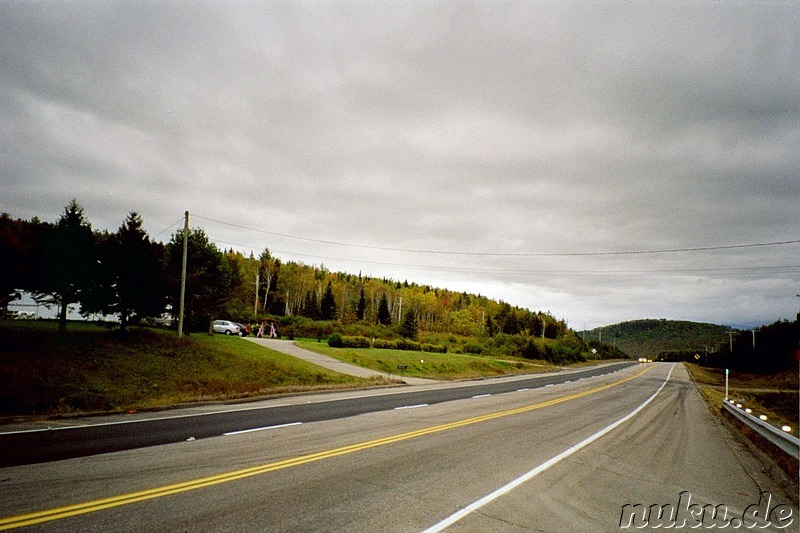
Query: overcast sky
{"x": 554, "y": 155}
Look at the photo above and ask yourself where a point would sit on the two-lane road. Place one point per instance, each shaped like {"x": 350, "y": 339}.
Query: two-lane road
{"x": 567, "y": 457}
{"x": 25, "y": 447}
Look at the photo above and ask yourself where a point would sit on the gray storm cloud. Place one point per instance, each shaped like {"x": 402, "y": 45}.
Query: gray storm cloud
{"x": 492, "y": 130}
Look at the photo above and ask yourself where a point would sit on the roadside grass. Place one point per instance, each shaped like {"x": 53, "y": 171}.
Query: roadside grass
{"x": 441, "y": 366}
{"x": 92, "y": 369}
{"x": 774, "y": 395}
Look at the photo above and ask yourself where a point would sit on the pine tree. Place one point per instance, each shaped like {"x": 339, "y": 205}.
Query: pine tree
{"x": 362, "y": 305}
{"x": 311, "y": 307}
{"x": 409, "y": 329}
{"x": 384, "y": 316}
{"x": 68, "y": 262}
{"x": 328, "y": 304}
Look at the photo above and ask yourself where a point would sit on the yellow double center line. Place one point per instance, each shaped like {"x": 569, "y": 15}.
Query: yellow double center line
{"x": 133, "y": 497}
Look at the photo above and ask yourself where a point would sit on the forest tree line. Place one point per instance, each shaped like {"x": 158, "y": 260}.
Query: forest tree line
{"x": 767, "y": 348}
{"x": 128, "y": 275}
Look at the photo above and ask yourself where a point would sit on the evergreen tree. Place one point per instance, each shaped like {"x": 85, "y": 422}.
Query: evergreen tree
{"x": 362, "y": 305}
{"x": 490, "y": 327}
{"x": 311, "y": 307}
{"x": 384, "y": 316}
{"x": 129, "y": 278}
{"x": 68, "y": 262}
{"x": 409, "y": 329}
{"x": 328, "y": 304}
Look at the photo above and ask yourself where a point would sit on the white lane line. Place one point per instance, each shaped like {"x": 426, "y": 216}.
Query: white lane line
{"x": 262, "y": 429}
{"x": 411, "y": 406}
{"x": 452, "y": 519}
{"x": 482, "y": 396}
{"x": 522, "y": 390}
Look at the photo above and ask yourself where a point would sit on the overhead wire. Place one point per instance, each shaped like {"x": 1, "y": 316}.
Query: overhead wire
{"x": 168, "y": 227}
{"x": 509, "y": 254}
{"x": 723, "y": 271}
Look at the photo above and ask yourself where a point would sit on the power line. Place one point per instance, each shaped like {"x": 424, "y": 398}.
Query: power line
{"x": 729, "y": 271}
{"x": 168, "y": 227}
{"x": 507, "y": 254}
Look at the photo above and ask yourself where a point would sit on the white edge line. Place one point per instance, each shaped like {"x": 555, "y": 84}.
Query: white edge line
{"x": 482, "y": 396}
{"x": 151, "y": 419}
{"x": 261, "y": 429}
{"x": 452, "y": 519}
{"x": 411, "y": 406}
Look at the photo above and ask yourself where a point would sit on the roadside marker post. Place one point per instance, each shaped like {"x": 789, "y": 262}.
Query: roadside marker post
{"x": 727, "y": 371}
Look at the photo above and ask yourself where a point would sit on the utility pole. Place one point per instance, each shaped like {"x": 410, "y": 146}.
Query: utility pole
{"x": 754, "y": 338}
{"x": 183, "y": 272}
{"x": 730, "y": 341}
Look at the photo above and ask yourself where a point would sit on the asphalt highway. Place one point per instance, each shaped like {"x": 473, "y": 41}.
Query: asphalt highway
{"x": 568, "y": 457}
{"x": 26, "y": 447}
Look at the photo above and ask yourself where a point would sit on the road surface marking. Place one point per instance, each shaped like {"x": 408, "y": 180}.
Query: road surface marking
{"x": 261, "y": 429}
{"x": 411, "y": 406}
{"x": 452, "y": 519}
{"x": 91, "y": 506}
{"x": 152, "y": 419}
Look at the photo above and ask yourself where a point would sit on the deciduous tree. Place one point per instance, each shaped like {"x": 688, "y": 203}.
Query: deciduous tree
{"x": 210, "y": 279}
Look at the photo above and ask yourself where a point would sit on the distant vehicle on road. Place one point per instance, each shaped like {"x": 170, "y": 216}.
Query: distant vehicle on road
{"x": 228, "y": 328}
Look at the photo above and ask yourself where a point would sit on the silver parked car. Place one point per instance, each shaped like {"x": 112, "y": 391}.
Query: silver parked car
{"x": 227, "y": 327}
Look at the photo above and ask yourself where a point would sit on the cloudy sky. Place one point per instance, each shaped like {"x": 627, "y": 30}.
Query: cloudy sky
{"x": 603, "y": 161}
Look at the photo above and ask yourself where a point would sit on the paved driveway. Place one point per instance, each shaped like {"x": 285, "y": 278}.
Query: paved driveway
{"x": 288, "y": 347}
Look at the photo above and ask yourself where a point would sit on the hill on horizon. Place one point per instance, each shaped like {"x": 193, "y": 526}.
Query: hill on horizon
{"x": 651, "y": 337}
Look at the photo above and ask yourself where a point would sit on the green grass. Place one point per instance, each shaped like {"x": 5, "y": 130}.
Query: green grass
{"x": 92, "y": 369}
{"x": 443, "y": 366}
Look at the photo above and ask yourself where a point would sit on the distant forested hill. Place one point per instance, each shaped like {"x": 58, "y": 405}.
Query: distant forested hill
{"x": 652, "y": 337}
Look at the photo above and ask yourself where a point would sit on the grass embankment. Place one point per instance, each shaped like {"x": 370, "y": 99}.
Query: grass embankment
{"x": 443, "y": 366}
{"x": 91, "y": 369}
{"x": 774, "y": 395}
